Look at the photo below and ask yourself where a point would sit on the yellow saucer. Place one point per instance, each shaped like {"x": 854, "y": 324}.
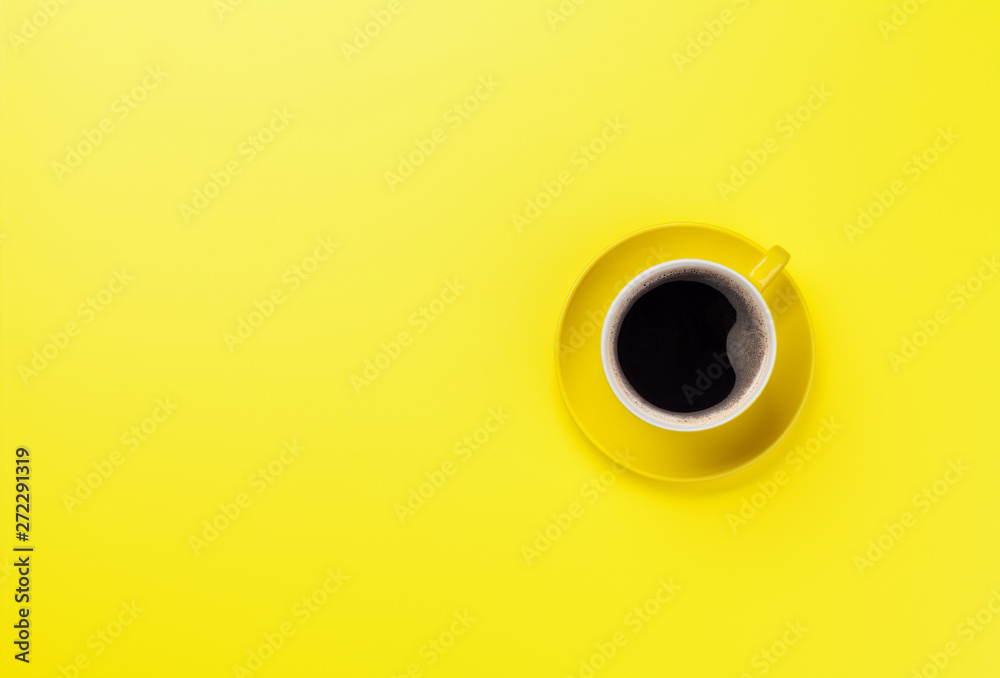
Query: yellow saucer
{"x": 642, "y": 447}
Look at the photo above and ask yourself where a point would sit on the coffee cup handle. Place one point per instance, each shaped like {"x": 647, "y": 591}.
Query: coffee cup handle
{"x": 769, "y": 267}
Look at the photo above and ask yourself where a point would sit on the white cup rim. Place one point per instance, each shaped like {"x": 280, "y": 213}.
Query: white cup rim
{"x": 642, "y": 278}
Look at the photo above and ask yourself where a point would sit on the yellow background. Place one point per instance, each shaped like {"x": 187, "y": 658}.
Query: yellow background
{"x": 492, "y": 347}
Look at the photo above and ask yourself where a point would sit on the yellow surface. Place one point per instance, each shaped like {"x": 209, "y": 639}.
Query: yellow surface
{"x": 421, "y": 348}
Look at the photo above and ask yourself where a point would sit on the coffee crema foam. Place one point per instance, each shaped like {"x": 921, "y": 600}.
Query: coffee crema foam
{"x": 747, "y": 345}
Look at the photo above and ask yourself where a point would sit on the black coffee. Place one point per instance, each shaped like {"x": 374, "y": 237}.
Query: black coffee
{"x": 672, "y": 346}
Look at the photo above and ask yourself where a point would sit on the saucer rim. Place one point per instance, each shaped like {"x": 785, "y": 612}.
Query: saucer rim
{"x": 626, "y": 463}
